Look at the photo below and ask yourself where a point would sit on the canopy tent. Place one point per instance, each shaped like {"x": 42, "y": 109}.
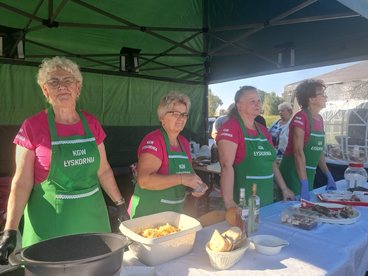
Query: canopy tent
{"x": 167, "y": 45}
{"x": 190, "y": 41}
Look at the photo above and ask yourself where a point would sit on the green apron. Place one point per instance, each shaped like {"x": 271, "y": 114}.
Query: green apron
{"x": 256, "y": 167}
{"x": 147, "y": 202}
{"x": 312, "y": 152}
{"x": 70, "y": 200}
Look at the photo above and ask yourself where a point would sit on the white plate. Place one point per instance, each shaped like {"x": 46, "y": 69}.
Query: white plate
{"x": 363, "y": 196}
{"x": 332, "y": 220}
{"x": 338, "y": 195}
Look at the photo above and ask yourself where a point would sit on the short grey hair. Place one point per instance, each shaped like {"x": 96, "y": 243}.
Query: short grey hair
{"x": 167, "y": 103}
{"x": 284, "y": 105}
{"x": 51, "y": 64}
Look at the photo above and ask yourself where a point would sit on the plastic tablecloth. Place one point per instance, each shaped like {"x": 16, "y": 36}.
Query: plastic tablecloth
{"x": 329, "y": 249}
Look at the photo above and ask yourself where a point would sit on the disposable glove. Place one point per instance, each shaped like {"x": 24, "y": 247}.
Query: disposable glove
{"x": 122, "y": 213}
{"x": 8, "y": 241}
{"x": 331, "y": 185}
{"x": 304, "y": 189}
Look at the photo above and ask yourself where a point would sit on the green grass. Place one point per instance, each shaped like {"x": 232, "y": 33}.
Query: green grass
{"x": 270, "y": 119}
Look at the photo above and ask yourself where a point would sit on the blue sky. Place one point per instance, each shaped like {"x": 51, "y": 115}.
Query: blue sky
{"x": 269, "y": 83}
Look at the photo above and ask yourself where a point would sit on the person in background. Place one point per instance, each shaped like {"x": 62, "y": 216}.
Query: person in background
{"x": 61, "y": 166}
{"x": 280, "y": 129}
{"x": 220, "y": 121}
{"x": 306, "y": 141}
{"x": 246, "y": 153}
{"x": 164, "y": 167}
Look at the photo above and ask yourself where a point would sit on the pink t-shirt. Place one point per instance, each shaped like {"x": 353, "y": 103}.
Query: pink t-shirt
{"x": 301, "y": 120}
{"x": 34, "y": 134}
{"x": 231, "y": 131}
{"x": 154, "y": 143}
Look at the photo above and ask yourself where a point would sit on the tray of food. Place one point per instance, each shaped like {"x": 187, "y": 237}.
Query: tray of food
{"x": 356, "y": 198}
{"x": 328, "y": 212}
{"x": 293, "y": 217}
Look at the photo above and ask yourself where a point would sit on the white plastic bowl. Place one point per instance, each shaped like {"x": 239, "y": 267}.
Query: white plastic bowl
{"x": 268, "y": 244}
{"x": 225, "y": 260}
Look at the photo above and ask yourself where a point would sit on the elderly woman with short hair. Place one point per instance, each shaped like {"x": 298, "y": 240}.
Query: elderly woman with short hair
{"x": 164, "y": 167}
{"x": 280, "y": 129}
{"x": 61, "y": 165}
{"x": 306, "y": 141}
{"x": 246, "y": 153}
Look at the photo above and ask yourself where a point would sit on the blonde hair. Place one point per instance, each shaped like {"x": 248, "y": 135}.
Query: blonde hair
{"x": 167, "y": 103}
{"x": 51, "y": 64}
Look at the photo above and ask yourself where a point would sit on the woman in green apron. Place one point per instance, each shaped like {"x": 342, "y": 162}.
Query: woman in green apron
{"x": 61, "y": 166}
{"x": 246, "y": 153}
{"x": 306, "y": 141}
{"x": 164, "y": 167}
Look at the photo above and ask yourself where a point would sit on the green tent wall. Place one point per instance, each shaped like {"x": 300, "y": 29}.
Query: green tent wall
{"x": 126, "y": 107}
{"x": 185, "y": 45}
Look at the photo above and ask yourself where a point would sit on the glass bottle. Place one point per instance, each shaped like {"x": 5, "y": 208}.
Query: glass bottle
{"x": 244, "y": 210}
{"x": 214, "y": 153}
{"x": 254, "y": 206}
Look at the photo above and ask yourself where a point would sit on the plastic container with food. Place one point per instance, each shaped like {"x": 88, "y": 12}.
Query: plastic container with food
{"x": 292, "y": 217}
{"x": 154, "y": 251}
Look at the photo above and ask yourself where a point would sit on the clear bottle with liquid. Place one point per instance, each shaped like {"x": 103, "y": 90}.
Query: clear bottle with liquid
{"x": 244, "y": 210}
{"x": 254, "y": 207}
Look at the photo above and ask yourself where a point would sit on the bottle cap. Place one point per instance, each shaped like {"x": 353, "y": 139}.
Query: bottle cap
{"x": 356, "y": 165}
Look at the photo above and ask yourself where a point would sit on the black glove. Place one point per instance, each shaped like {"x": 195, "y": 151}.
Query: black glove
{"x": 122, "y": 213}
{"x": 8, "y": 241}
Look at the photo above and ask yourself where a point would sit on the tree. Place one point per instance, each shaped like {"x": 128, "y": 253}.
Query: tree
{"x": 213, "y": 103}
{"x": 270, "y": 104}
{"x": 262, "y": 94}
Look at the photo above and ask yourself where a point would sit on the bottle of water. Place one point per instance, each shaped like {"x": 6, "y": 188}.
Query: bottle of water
{"x": 254, "y": 206}
{"x": 244, "y": 210}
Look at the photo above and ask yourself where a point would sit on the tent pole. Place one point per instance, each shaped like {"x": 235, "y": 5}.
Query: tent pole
{"x": 206, "y": 70}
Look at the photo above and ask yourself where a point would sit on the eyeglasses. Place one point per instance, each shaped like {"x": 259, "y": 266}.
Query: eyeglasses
{"x": 56, "y": 83}
{"x": 177, "y": 114}
{"x": 323, "y": 94}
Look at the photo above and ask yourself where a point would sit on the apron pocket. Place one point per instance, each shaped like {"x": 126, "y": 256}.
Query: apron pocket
{"x": 81, "y": 211}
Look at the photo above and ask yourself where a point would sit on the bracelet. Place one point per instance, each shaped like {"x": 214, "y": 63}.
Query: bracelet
{"x": 121, "y": 201}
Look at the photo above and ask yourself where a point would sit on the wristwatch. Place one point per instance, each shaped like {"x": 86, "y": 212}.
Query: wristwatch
{"x": 121, "y": 201}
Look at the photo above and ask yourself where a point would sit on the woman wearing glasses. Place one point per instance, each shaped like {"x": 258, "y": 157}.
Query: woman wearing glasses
{"x": 246, "y": 153}
{"x": 60, "y": 165}
{"x": 306, "y": 141}
{"x": 164, "y": 167}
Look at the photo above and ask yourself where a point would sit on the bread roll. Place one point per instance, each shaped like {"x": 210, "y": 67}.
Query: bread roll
{"x": 232, "y": 216}
{"x": 234, "y": 233}
{"x": 218, "y": 243}
{"x": 212, "y": 217}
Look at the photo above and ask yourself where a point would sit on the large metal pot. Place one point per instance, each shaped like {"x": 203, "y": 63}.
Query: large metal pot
{"x": 94, "y": 254}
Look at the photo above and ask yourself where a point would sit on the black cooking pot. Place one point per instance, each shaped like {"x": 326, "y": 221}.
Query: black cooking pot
{"x": 93, "y": 254}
